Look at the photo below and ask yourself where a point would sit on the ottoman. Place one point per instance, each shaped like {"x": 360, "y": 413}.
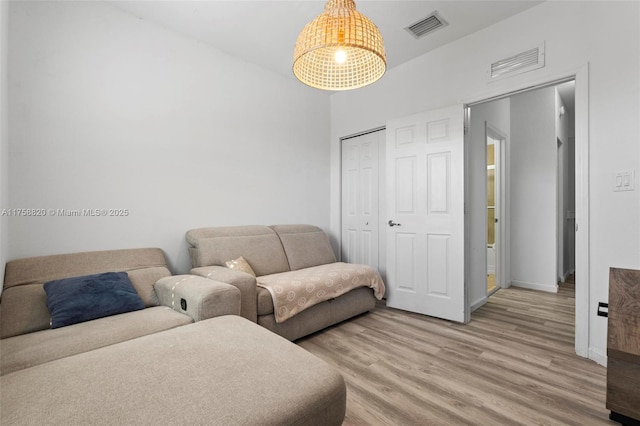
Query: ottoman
{"x": 221, "y": 371}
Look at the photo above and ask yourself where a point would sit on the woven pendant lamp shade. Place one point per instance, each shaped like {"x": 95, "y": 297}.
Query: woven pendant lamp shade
{"x": 339, "y": 50}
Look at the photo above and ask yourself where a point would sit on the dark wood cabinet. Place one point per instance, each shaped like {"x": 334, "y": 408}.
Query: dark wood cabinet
{"x": 623, "y": 346}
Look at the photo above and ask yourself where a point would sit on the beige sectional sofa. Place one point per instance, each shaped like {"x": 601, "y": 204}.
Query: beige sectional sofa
{"x": 180, "y": 360}
{"x": 274, "y": 252}
{"x": 28, "y": 340}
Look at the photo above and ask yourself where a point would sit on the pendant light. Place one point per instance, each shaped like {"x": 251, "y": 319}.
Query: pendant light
{"x": 341, "y": 49}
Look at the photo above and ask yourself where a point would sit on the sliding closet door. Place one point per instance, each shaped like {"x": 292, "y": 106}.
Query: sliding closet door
{"x": 360, "y": 221}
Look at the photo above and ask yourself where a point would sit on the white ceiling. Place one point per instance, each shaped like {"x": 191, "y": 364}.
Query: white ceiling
{"x": 264, "y": 32}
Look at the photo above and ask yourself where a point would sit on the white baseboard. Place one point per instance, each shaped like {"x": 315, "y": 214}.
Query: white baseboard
{"x": 478, "y": 303}
{"x": 598, "y": 356}
{"x": 565, "y": 276}
{"x": 535, "y": 286}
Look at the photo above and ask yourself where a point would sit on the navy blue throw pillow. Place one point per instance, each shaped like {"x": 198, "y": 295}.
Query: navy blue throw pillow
{"x": 79, "y": 299}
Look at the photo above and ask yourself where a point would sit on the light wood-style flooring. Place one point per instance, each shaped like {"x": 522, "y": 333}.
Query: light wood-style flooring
{"x": 513, "y": 364}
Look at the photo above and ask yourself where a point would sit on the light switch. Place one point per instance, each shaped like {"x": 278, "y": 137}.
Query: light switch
{"x": 624, "y": 180}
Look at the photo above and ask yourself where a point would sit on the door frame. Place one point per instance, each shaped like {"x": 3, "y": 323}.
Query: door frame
{"x": 502, "y": 176}
{"x": 560, "y": 211}
{"x": 582, "y": 229}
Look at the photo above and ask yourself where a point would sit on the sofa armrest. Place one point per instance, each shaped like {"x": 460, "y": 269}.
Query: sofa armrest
{"x": 198, "y": 297}
{"x": 244, "y": 282}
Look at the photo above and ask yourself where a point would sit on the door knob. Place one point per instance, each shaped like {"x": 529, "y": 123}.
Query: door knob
{"x": 391, "y": 223}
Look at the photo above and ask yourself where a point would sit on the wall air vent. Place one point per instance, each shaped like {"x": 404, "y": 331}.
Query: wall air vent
{"x": 517, "y": 64}
{"x": 426, "y": 25}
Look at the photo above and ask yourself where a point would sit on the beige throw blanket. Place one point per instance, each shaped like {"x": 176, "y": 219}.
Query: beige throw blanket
{"x": 294, "y": 291}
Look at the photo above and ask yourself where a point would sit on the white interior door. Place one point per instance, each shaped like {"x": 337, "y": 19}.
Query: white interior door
{"x": 360, "y": 221}
{"x": 491, "y": 207}
{"x": 425, "y": 208}
{"x": 495, "y": 205}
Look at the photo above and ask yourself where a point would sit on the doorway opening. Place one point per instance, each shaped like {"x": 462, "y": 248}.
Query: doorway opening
{"x": 535, "y": 178}
{"x": 495, "y": 140}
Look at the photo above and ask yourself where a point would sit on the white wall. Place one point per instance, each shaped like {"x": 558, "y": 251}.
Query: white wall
{"x": 456, "y": 73}
{"x": 496, "y": 113}
{"x": 110, "y": 111}
{"x": 4, "y": 136}
{"x": 533, "y": 202}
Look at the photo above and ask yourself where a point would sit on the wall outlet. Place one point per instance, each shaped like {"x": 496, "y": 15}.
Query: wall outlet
{"x": 624, "y": 180}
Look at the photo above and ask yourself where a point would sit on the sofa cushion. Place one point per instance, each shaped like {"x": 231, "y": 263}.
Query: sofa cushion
{"x": 31, "y": 349}
{"x": 305, "y": 245}
{"x": 322, "y": 315}
{"x": 79, "y": 299}
{"x": 24, "y": 307}
{"x": 24, "y": 310}
{"x": 143, "y": 281}
{"x": 259, "y": 245}
{"x": 294, "y": 291}
{"x": 222, "y": 371}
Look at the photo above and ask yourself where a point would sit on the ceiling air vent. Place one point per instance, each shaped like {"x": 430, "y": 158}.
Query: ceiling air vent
{"x": 426, "y": 25}
{"x": 522, "y": 62}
